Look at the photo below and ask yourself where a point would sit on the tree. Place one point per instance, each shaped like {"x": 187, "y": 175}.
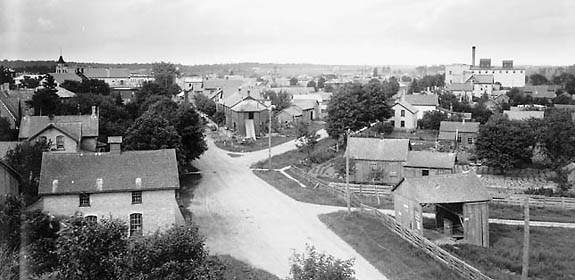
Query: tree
{"x": 563, "y": 99}
{"x": 26, "y": 159}
{"x": 219, "y": 117}
{"x": 178, "y": 253}
{"x": 375, "y": 74}
{"x": 390, "y": 87}
{"x": 88, "y": 250}
{"x": 414, "y": 87}
{"x": 312, "y": 84}
{"x": 28, "y": 82}
{"x": 557, "y": 138}
{"x": 39, "y": 232}
{"x": 205, "y": 105}
{"x": 164, "y": 74}
{"x": 46, "y": 101}
{"x": 6, "y": 131}
{"x": 321, "y": 82}
{"x": 94, "y": 86}
{"x": 293, "y": 81}
{"x": 151, "y": 132}
{"x": 431, "y": 120}
{"x": 280, "y": 100}
{"x": 307, "y": 138}
{"x": 6, "y": 76}
{"x": 538, "y": 79}
{"x": 188, "y": 124}
{"x": 504, "y": 144}
{"x": 312, "y": 265}
{"x": 355, "y": 106}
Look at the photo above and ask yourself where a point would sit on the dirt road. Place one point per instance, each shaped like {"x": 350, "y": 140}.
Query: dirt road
{"x": 243, "y": 216}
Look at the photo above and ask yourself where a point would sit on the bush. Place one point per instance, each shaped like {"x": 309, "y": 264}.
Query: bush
{"x": 312, "y": 265}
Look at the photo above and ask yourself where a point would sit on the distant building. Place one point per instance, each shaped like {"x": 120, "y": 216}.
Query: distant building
{"x": 69, "y": 134}
{"x": 404, "y": 115}
{"x": 460, "y": 134}
{"x": 378, "y": 160}
{"x": 423, "y": 103}
{"x": 138, "y": 187}
{"x": 310, "y": 108}
{"x": 245, "y": 115}
{"x": 523, "y": 115}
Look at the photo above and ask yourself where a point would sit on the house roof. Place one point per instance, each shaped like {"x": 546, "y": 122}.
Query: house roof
{"x": 293, "y": 110}
{"x": 449, "y": 188}
{"x": 422, "y": 99}
{"x": 249, "y": 104}
{"x": 11, "y": 104}
{"x": 459, "y": 87}
{"x": 95, "y": 73}
{"x": 459, "y": 126}
{"x": 294, "y": 90}
{"x": 481, "y": 79}
{"x": 67, "y": 173}
{"x": 305, "y": 104}
{"x": 406, "y": 105}
{"x": 540, "y": 91}
{"x": 524, "y": 115}
{"x": 430, "y": 159}
{"x": 61, "y": 77}
{"x": 10, "y": 169}
{"x": 80, "y": 125}
{"x": 223, "y": 83}
{"x": 378, "y": 149}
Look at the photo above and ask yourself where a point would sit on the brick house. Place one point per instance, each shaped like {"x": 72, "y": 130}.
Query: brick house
{"x": 73, "y": 133}
{"x": 138, "y": 187}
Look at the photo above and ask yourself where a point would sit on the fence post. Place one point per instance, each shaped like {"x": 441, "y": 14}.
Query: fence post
{"x": 562, "y": 202}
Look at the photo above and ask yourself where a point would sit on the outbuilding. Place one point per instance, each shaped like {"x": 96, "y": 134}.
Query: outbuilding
{"x": 461, "y": 205}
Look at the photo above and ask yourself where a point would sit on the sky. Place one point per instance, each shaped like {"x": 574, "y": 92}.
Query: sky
{"x": 358, "y": 32}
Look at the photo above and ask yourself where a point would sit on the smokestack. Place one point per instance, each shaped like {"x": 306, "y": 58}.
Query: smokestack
{"x": 473, "y": 56}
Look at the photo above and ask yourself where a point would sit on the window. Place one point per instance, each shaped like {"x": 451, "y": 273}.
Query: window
{"x": 402, "y": 123}
{"x": 458, "y": 138}
{"x": 91, "y": 219}
{"x": 135, "y": 224}
{"x": 424, "y": 172}
{"x": 137, "y": 197}
{"x": 393, "y": 123}
{"x": 84, "y": 200}
{"x": 449, "y": 72}
{"x": 373, "y": 166}
{"x": 403, "y": 113}
{"x": 60, "y": 142}
{"x": 469, "y": 140}
{"x": 251, "y": 115}
{"x": 513, "y": 71}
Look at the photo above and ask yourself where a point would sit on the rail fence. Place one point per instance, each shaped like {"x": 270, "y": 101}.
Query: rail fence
{"x": 432, "y": 249}
{"x": 565, "y": 203}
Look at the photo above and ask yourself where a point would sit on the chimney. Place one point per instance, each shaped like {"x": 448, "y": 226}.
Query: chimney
{"x": 473, "y": 56}
{"x": 99, "y": 184}
{"x": 54, "y": 186}
{"x": 94, "y": 115}
{"x": 507, "y": 64}
{"x": 138, "y": 183}
{"x": 115, "y": 143}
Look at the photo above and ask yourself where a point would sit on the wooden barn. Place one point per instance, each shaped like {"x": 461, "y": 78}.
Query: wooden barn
{"x": 428, "y": 163}
{"x": 461, "y": 205}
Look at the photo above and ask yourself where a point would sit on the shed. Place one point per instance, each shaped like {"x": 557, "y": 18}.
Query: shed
{"x": 461, "y": 205}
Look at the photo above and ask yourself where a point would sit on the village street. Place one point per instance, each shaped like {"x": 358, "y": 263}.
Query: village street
{"x": 244, "y": 217}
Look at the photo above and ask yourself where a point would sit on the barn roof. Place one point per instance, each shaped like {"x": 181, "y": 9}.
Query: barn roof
{"x": 449, "y": 188}
{"x": 132, "y": 170}
{"x": 430, "y": 159}
{"x": 378, "y": 149}
{"x": 447, "y": 129}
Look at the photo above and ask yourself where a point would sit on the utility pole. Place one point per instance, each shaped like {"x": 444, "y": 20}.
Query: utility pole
{"x": 348, "y": 195}
{"x": 525, "y": 270}
{"x": 270, "y": 140}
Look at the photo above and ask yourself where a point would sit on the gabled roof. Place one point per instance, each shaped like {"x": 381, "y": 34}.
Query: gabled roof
{"x": 378, "y": 149}
{"x": 95, "y": 73}
{"x": 10, "y": 169}
{"x": 222, "y": 83}
{"x": 459, "y": 126}
{"x": 405, "y": 105}
{"x": 69, "y": 173}
{"x": 523, "y": 115}
{"x": 422, "y": 99}
{"x": 481, "y": 79}
{"x": 430, "y": 159}
{"x": 293, "y": 110}
{"x": 305, "y": 104}
{"x": 249, "y": 104}
{"x": 74, "y": 136}
{"x": 294, "y": 90}
{"x": 81, "y": 125}
{"x": 61, "y": 77}
{"x": 459, "y": 87}
{"x": 449, "y": 188}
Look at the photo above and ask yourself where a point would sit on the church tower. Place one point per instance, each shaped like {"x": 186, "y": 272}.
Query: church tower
{"x": 61, "y": 66}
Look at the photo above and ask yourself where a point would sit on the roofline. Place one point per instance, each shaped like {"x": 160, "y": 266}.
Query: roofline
{"x": 397, "y": 185}
{"x": 11, "y": 169}
{"x": 57, "y": 128}
{"x": 108, "y": 191}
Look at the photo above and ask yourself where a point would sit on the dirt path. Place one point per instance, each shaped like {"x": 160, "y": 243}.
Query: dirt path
{"x": 243, "y": 216}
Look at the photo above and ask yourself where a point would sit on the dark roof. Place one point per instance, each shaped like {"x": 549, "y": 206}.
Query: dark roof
{"x": 422, "y": 99}
{"x": 481, "y": 79}
{"x": 132, "y": 170}
{"x": 292, "y": 110}
{"x": 95, "y": 73}
{"x": 61, "y": 77}
{"x": 11, "y": 104}
{"x": 71, "y": 130}
{"x": 540, "y": 91}
{"x": 378, "y": 149}
{"x": 430, "y": 159}
{"x": 449, "y": 188}
{"x": 80, "y": 125}
{"x": 566, "y": 107}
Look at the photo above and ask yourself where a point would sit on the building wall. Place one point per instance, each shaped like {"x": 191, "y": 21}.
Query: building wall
{"x": 386, "y": 172}
{"x": 464, "y": 140}
{"x": 8, "y": 183}
{"x": 410, "y": 119}
{"x": 416, "y": 172}
{"x": 480, "y": 89}
{"x": 476, "y": 223}
{"x": 159, "y": 209}
{"x": 408, "y": 212}
{"x": 70, "y": 146}
{"x": 506, "y": 77}
{"x": 260, "y": 119}
{"x": 457, "y": 73}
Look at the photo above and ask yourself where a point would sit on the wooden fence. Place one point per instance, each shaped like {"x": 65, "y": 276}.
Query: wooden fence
{"x": 461, "y": 267}
{"x": 565, "y": 203}
{"x": 363, "y": 189}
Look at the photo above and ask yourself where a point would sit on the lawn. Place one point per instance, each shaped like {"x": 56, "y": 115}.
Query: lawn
{"x": 389, "y": 253}
{"x": 238, "y": 270}
{"x": 259, "y": 144}
{"x": 188, "y": 184}
{"x": 295, "y": 157}
{"x": 513, "y": 212}
{"x": 551, "y": 253}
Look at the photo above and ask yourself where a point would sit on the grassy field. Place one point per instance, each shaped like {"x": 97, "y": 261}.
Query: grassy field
{"x": 238, "y": 270}
{"x": 551, "y": 253}
{"x": 512, "y": 212}
{"x": 296, "y": 157}
{"x": 389, "y": 253}
{"x": 259, "y": 144}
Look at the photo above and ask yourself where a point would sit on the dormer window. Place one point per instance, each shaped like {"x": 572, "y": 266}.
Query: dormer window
{"x": 60, "y": 142}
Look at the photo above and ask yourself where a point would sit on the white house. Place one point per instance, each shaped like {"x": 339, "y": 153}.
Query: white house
{"x": 404, "y": 115}
{"x": 423, "y": 103}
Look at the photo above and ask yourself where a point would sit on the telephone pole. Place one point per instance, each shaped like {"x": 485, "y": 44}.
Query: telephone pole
{"x": 525, "y": 270}
{"x": 348, "y": 195}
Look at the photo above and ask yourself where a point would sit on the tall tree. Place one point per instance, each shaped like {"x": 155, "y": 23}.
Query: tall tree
{"x": 280, "y": 100}
{"x": 538, "y": 79}
{"x": 189, "y": 126}
{"x": 557, "y": 138}
{"x": 431, "y": 120}
{"x": 164, "y": 74}
{"x": 414, "y": 87}
{"x": 355, "y": 106}
{"x": 46, "y": 101}
{"x": 204, "y": 104}
{"x": 321, "y": 82}
{"x": 151, "y": 132}
{"x": 6, "y": 131}
{"x": 504, "y": 144}
{"x": 293, "y": 81}
{"x": 26, "y": 158}
{"x": 6, "y": 76}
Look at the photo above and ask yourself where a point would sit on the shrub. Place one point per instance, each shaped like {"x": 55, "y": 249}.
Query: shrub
{"x": 312, "y": 265}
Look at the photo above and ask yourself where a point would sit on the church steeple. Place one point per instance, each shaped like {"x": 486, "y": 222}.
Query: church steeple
{"x": 61, "y": 66}
{"x": 61, "y": 60}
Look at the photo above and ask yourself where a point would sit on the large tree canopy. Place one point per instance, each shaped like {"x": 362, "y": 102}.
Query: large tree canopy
{"x": 355, "y": 106}
{"x": 46, "y": 101}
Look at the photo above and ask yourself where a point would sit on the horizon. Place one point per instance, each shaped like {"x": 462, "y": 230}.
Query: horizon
{"x": 367, "y": 32}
